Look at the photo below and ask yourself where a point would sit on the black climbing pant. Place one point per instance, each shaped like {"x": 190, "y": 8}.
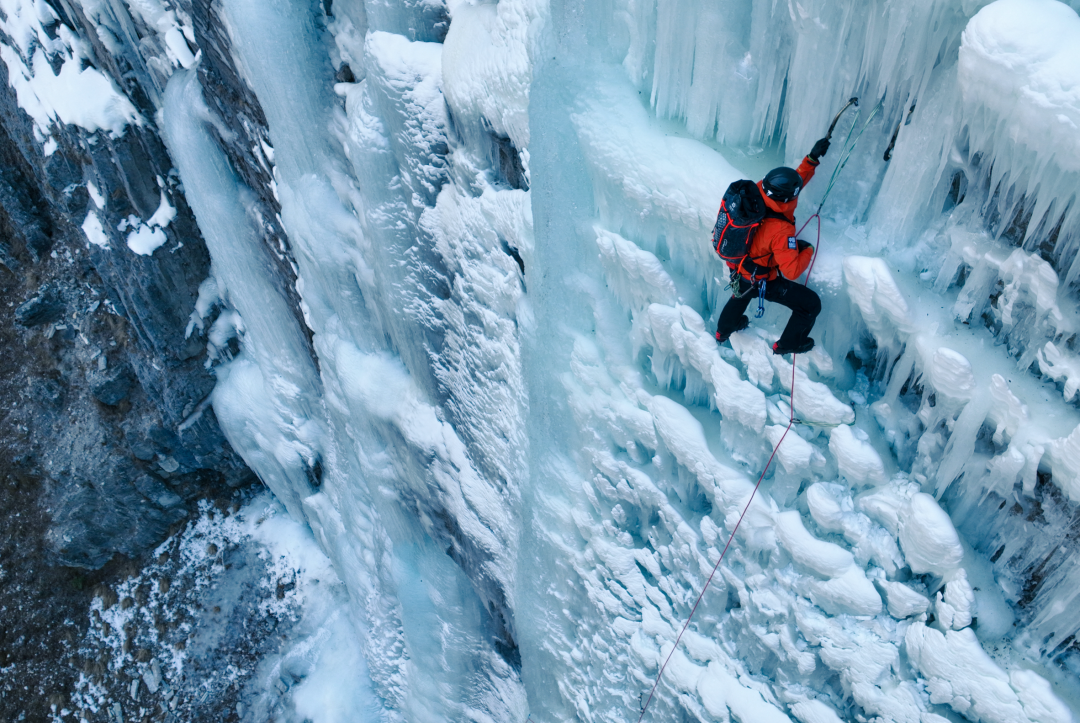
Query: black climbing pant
{"x": 805, "y": 305}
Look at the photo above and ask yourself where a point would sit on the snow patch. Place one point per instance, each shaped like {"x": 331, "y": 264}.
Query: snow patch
{"x": 1019, "y": 59}
{"x": 145, "y": 240}
{"x": 95, "y": 232}
{"x": 79, "y": 94}
{"x": 164, "y": 214}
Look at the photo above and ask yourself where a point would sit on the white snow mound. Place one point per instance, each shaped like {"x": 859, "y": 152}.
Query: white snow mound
{"x": 928, "y": 538}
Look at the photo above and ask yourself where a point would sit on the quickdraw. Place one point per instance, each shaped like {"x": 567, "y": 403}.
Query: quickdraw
{"x": 755, "y": 284}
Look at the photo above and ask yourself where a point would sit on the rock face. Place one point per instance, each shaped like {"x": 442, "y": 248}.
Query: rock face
{"x": 42, "y": 309}
{"x": 107, "y": 437}
{"x": 107, "y": 397}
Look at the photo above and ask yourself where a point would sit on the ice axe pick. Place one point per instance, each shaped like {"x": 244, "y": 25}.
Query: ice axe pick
{"x": 851, "y": 102}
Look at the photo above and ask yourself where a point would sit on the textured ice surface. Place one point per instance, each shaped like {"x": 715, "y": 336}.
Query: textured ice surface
{"x": 1019, "y": 61}
{"x": 927, "y": 536}
{"x": 1019, "y": 77}
{"x": 500, "y": 407}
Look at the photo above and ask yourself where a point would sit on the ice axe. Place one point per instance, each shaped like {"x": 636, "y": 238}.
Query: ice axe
{"x": 895, "y": 133}
{"x": 849, "y": 144}
{"x": 836, "y": 119}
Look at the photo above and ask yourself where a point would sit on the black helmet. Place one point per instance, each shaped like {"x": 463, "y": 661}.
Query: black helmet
{"x": 782, "y": 184}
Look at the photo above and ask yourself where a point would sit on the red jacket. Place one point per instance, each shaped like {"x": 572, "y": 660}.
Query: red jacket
{"x": 774, "y": 241}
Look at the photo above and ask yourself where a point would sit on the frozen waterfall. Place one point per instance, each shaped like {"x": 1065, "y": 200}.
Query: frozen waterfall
{"x": 494, "y": 396}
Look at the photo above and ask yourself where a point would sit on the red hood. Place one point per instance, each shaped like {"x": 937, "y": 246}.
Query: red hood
{"x": 788, "y": 208}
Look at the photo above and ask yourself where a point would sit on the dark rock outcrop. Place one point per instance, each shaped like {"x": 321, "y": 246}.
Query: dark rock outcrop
{"x": 107, "y": 439}
{"x": 111, "y": 386}
{"x": 41, "y": 309}
{"x": 101, "y": 348}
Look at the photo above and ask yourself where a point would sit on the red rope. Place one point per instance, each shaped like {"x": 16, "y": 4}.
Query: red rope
{"x": 791, "y": 421}
{"x": 814, "y": 257}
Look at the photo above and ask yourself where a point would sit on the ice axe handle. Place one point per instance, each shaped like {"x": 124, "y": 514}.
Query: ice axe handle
{"x": 836, "y": 119}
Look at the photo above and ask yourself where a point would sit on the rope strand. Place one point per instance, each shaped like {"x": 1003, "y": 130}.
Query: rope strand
{"x": 731, "y": 537}
{"x": 845, "y": 155}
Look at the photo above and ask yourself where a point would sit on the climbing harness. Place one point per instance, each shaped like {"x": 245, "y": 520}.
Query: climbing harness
{"x": 755, "y": 284}
{"x": 733, "y": 284}
{"x": 849, "y": 144}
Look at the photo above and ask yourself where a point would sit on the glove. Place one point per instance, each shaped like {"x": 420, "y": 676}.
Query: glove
{"x": 803, "y": 246}
{"x": 819, "y": 150}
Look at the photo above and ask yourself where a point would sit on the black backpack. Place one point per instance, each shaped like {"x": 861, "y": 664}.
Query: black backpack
{"x": 741, "y": 212}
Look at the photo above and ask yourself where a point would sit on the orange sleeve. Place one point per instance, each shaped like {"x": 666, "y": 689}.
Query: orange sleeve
{"x": 806, "y": 169}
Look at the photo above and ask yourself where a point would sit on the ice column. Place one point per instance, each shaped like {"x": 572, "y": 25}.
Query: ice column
{"x": 268, "y": 398}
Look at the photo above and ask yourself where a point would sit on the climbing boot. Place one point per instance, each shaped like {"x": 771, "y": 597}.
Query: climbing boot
{"x": 744, "y": 322}
{"x": 799, "y": 348}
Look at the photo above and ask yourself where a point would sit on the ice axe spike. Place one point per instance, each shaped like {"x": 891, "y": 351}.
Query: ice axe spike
{"x": 836, "y": 119}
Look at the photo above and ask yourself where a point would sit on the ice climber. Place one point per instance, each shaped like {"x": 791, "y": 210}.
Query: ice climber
{"x": 776, "y": 259}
